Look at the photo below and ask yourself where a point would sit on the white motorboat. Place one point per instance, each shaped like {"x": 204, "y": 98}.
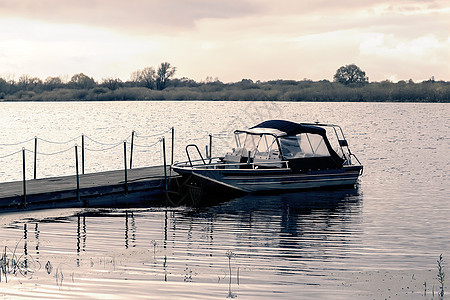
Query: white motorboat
{"x": 275, "y": 155}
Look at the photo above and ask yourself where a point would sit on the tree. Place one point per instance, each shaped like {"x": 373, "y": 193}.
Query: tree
{"x": 148, "y": 77}
{"x": 163, "y": 75}
{"x": 81, "y": 81}
{"x": 26, "y": 82}
{"x": 145, "y": 77}
{"x": 135, "y": 77}
{"x": 350, "y": 74}
{"x": 52, "y": 83}
{"x": 112, "y": 83}
{"x": 3, "y": 85}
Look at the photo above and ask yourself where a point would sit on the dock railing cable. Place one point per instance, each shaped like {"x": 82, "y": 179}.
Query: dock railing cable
{"x": 11, "y": 154}
{"x": 16, "y": 143}
{"x": 153, "y": 135}
{"x": 106, "y": 144}
{"x": 104, "y": 147}
{"x": 50, "y": 154}
{"x": 57, "y": 142}
{"x": 111, "y": 146}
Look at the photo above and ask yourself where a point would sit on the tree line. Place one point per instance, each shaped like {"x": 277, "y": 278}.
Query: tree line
{"x": 349, "y": 83}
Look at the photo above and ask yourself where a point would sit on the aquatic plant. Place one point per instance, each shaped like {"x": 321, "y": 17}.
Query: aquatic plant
{"x": 188, "y": 274}
{"x": 59, "y": 276}
{"x": 154, "y": 243}
{"x": 13, "y": 264}
{"x": 441, "y": 274}
{"x": 3, "y": 266}
{"x": 230, "y": 254}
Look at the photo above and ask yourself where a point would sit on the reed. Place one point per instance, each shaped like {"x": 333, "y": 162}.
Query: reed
{"x": 14, "y": 264}
{"x": 59, "y": 276}
{"x": 230, "y": 254}
{"x": 441, "y": 274}
{"x": 187, "y": 274}
{"x": 154, "y": 243}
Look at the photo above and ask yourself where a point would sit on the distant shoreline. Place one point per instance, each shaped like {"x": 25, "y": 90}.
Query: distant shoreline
{"x": 246, "y": 90}
{"x": 206, "y": 100}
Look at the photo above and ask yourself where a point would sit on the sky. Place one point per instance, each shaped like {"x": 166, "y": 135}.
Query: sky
{"x": 226, "y": 39}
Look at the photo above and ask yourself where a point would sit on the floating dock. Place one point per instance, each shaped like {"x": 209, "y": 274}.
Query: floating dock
{"x": 127, "y": 187}
{"x": 130, "y": 188}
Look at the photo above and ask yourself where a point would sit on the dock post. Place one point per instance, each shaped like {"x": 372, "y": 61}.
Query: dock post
{"x": 173, "y": 142}
{"x": 77, "y": 173}
{"x": 35, "y": 156}
{"x": 24, "y": 180}
{"x": 131, "y": 149}
{"x": 210, "y": 145}
{"x": 82, "y": 154}
{"x": 165, "y": 166}
{"x": 125, "y": 163}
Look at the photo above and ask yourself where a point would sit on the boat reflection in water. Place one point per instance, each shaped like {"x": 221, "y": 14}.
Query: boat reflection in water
{"x": 292, "y": 214}
{"x": 253, "y": 245}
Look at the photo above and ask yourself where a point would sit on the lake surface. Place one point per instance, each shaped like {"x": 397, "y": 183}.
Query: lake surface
{"x": 294, "y": 245}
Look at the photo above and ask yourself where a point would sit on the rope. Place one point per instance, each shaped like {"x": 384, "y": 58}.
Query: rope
{"x": 147, "y": 146}
{"x": 71, "y": 140}
{"x": 153, "y": 135}
{"x": 221, "y": 136}
{"x": 8, "y": 155}
{"x": 49, "y": 154}
{"x": 59, "y": 143}
{"x": 72, "y": 147}
{"x": 88, "y": 137}
{"x": 105, "y": 144}
{"x": 104, "y": 149}
{"x": 19, "y": 143}
{"x": 197, "y": 139}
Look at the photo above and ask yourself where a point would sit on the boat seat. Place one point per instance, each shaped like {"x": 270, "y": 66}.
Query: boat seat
{"x": 236, "y": 156}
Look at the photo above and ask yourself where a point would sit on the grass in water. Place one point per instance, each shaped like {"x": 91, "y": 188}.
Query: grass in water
{"x": 14, "y": 264}
{"x": 230, "y": 254}
{"x": 441, "y": 274}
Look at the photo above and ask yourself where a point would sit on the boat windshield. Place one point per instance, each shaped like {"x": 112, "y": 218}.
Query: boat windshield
{"x": 261, "y": 145}
{"x": 303, "y": 145}
{"x": 267, "y": 144}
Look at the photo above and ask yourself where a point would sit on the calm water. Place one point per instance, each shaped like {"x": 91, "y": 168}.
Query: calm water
{"x": 293, "y": 245}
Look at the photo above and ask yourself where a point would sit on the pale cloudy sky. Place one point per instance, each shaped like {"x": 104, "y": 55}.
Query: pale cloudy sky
{"x": 228, "y": 39}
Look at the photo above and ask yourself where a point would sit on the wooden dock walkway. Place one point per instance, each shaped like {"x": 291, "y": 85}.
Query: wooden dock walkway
{"x": 145, "y": 186}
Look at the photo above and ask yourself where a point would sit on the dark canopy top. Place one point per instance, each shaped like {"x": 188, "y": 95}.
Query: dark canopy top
{"x": 304, "y": 164}
{"x": 291, "y": 128}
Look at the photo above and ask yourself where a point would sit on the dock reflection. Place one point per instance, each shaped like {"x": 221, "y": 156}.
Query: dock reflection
{"x": 81, "y": 237}
{"x": 296, "y": 215}
{"x": 285, "y": 228}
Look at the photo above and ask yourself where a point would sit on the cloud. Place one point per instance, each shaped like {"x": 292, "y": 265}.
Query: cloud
{"x": 151, "y": 16}
{"x": 418, "y": 58}
{"x": 233, "y": 39}
{"x": 379, "y": 44}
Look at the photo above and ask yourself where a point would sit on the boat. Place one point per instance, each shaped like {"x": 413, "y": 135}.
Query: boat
{"x": 273, "y": 156}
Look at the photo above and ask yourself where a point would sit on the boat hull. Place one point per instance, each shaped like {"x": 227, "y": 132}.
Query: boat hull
{"x": 262, "y": 180}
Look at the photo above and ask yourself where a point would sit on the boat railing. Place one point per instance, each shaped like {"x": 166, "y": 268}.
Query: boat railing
{"x": 342, "y": 142}
{"x": 359, "y": 163}
{"x": 217, "y": 163}
{"x": 199, "y": 153}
